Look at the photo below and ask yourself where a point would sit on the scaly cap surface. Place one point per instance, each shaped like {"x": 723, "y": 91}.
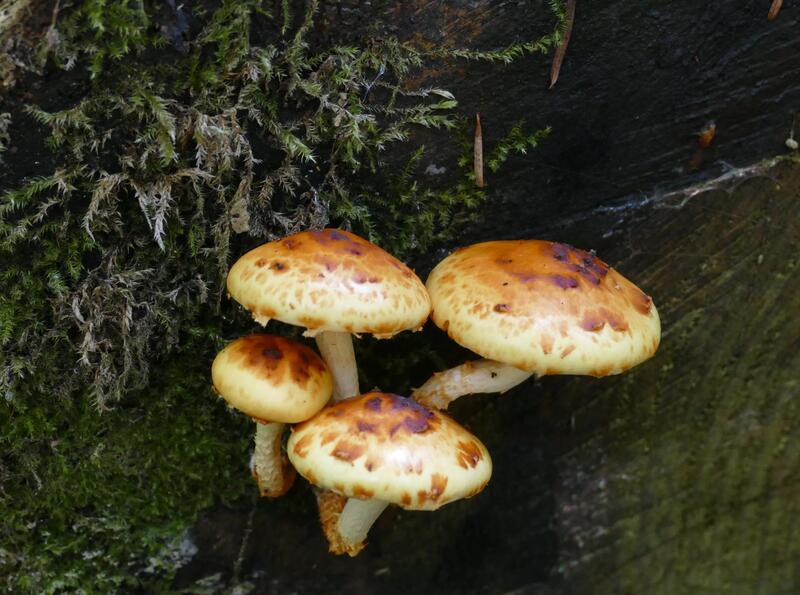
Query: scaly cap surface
{"x": 543, "y": 307}
{"x": 330, "y": 280}
{"x": 388, "y": 447}
{"x": 271, "y": 378}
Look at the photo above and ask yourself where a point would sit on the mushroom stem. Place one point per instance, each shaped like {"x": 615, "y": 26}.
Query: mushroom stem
{"x": 482, "y": 376}
{"x": 273, "y": 474}
{"x": 336, "y": 349}
{"x": 354, "y": 523}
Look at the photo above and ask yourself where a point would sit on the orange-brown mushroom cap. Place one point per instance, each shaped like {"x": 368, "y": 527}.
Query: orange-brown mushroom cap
{"x": 272, "y": 378}
{"x": 543, "y": 307}
{"x": 330, "y": 280}
{"x": 391, "y": 448}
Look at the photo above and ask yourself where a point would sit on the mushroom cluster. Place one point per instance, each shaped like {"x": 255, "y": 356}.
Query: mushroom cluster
{"x": 528, "y": 307}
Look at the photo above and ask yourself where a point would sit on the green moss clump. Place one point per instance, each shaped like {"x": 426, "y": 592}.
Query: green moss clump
{"x": 201, "y": 133}
{"x": 89, "y": 501}
{"x": 166, "y": 167}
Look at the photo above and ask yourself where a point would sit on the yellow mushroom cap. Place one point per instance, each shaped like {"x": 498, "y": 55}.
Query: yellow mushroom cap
{"x": 330, "y": 280}
{"x": 271, "y": 378}
{"x": 543, "y": 307}
{"x": 391, "y": 448}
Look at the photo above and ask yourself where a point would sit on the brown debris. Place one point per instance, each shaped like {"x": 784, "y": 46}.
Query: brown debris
{"x": 561, "y": 50}
{"x": 707, "y": 134}
{"x": 478, "y": 152}
{"x": 774, "y": 9}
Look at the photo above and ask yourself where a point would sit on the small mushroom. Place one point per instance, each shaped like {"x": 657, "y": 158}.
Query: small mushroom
{"x": 275, "y": 381}
{"x": 380, "y": 449}
{"x": 535, "y": 307}
{"x": 334, "y": 284}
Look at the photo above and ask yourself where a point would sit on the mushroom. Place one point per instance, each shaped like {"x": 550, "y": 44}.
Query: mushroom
{"x": 380, "y": 449}
{"x": 334, "y": 284}
{"x": 275, "y": 381}
{"x": 535, "y": 307}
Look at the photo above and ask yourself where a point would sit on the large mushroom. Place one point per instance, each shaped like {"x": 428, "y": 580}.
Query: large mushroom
{"x": 380, "y": 449}
{"x": 535, "y": 307}
{"x": 334, "y": 284}
{"x": 275, "y": 381}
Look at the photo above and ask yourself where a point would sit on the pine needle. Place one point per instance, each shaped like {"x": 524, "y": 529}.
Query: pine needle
{"x": 561, "y": 50}
{"x": 478, "y": 152}
{"x": 774, "y": 9}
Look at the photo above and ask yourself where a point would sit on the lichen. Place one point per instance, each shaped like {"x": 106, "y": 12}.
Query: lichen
{"x": 201, "y": 132}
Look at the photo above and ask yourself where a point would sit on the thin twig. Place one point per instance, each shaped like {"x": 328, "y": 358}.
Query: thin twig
{"x": 774, "y": 9}
{"x": 561, "y": 50}
{"x": 478, "y": 152}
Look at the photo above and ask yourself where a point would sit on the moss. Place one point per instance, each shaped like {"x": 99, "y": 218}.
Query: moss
{"x": 169, "y": 168}
{"x": 201, "y": 133}
{"x": 105, "y": 493}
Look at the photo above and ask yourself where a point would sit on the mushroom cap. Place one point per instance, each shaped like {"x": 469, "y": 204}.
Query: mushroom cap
{"x": 271, "y": 378}
{"x": 330, "y": 280}
{"x": 543, "y": 307}
{"x": 388, "y": 447}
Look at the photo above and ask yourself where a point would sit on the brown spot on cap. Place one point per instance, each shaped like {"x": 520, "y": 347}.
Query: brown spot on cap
{"x": 311, "y": 322}
{"x": 468, "y": 454}
{"x": 642, "y": 302}
{"x": 272, "y": 353}
{"x": 347, "y": 451}
{"x": 592, "y": 322}
{"x": 564, "y": 282}
{"x": 547, "y": 343}
{"x": 365, "y": 427}
{"x": 301, "y": 446}
{"x": 328, "y": 437}
{"x": 438, "y": 486}
{"x": 360, "y": 491}
{"x": 271, "y": 358}
{"x": 595, "y": 320}
{"x": 601, "y": 372}
{"x": 373, "y": 404}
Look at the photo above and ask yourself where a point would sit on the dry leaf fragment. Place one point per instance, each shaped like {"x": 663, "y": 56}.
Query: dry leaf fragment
{"x": 561, "y": 50}
{"x": 774, "y": 9}
{"x": 478, "y": 152}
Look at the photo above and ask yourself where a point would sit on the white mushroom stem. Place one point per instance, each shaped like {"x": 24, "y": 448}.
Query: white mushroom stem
{"x": 357, "y": 518}
{"x": 482, "y": 376}
{"x": 273, "y": 475}
{"x": 337, "y": 350}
